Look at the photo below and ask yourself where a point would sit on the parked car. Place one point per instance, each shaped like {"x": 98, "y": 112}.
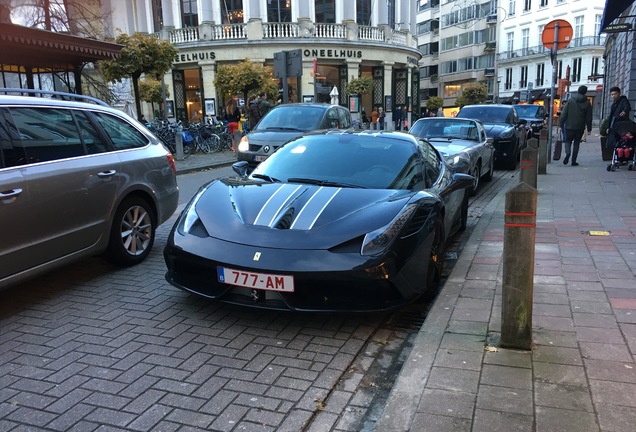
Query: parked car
{"x": 504, "y": 126}
{"x": 457, "y": 139}
{"x": 285, "y": 122}
{"x": 77, "y": 179}
{"x": 333, "y": 221}
{"x": 535, "y": 116}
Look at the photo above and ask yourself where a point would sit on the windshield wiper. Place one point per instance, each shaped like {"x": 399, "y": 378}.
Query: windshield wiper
{"x": 266, "y": 178}
{"x": 284, "y": 128}
{"x": 322, "y": 182}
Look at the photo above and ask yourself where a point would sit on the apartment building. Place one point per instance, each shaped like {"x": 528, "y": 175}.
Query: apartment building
{"x": 338, "y": 40}
{"x": 499, "y": 43}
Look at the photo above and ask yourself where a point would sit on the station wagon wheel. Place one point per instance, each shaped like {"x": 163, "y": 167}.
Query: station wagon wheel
{"x": 133, "y": 232}
{"x": 435, "y": 262}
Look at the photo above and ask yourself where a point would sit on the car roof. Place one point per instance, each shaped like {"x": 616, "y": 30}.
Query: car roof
{"x": 307, "y": 104}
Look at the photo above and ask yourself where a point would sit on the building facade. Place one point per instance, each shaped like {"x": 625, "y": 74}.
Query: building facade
{"x": 338, "y": 40}
{"x": 458, "y": 46}
{"x": 526, "y": 69}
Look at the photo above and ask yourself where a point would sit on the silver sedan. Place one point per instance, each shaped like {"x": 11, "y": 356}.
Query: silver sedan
{"x": 463, "y": 142}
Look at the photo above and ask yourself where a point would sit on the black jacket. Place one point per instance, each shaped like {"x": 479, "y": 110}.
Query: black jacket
{"x": 618, "y": 106}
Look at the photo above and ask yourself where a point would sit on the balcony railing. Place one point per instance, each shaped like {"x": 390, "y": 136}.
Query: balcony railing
{"x": 255, "y": 30}
{"x": 576, "y": 43}
{"x": 489, "y": 72}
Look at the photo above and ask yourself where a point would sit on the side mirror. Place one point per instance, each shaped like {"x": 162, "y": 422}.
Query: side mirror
{"x": 241, "y": 168}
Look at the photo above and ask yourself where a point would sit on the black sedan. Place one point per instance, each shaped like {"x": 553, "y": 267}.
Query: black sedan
{"x": 337, "y": 221}
{"x": 535, "y": 115}
{"x": 459, "y": 139}
{"x": 505, "y": 127}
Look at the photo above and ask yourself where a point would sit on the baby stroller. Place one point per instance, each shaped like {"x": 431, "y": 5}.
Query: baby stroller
{"x": 624, "y": 149}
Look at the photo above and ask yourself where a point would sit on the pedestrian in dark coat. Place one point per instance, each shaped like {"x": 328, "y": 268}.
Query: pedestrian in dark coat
{"x": 397, "y": 116}
{"x": 576, "y": 116}
{"x": 619, "y": 111}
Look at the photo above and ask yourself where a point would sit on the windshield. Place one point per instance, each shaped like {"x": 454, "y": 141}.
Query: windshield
{"x": 529, "y": 110}
{"x": 485, "y": 113}
{"x": 292, "y": 117}
{"x": 346, "y": 160}
{"x": 446, "y": 128}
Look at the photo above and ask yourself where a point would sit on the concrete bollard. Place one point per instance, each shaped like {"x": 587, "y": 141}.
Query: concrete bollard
{"x": 528, "y": 165}
{"x": 533, "y": 142}
{"x": 518, "y": 266}
{"x": 542, "y": 160}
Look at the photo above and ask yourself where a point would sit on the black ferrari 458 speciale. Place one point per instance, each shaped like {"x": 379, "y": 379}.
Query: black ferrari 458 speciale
{"x": 333, "y": 221}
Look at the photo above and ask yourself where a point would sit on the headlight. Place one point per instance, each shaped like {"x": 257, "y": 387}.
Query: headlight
{"x": 190, "y": 215}
{"x": 507, "y": 134}
{"x": 244, "y": 144}
{"x": 379, "y": 240}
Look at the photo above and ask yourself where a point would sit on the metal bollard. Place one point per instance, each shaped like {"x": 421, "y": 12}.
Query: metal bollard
{"x": 528, "y": 166}
{"x": 518, "y": 266}
{"x": 178, "y": 143}
{"x": 543, "y": 152}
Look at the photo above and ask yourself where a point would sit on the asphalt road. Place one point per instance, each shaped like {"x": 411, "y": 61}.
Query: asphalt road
{"x": 93, "y": 345}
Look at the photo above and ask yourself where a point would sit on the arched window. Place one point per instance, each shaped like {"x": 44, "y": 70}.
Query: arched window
{"x": 325, "y": 11}
{"x": 189, "y": 16}
{"x": 278, "y": 10}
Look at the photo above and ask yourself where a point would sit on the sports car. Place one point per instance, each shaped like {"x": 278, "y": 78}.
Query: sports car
{"x": 332, "y": 221}
{"x": 459, "y": 139}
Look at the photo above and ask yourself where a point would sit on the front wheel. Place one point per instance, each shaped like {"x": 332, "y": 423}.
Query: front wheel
{"x": 477, "y": 174}
{"x": 132, "y": 233}
{"x": 435, "y": 262}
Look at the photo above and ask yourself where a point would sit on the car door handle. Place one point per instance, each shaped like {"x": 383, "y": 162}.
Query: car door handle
{"x": 105, "y": 174}
{"x": 10, "y": 194}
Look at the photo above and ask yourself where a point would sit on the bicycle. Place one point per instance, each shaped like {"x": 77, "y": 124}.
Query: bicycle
{"x": 226, "y": 139}
{"x": 205, "y": 140}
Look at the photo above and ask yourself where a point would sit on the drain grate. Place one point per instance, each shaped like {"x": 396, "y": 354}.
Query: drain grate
{"x": 409, "y": 318}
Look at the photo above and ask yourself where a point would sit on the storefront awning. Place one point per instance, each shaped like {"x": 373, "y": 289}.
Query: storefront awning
{"x": 34, "y": 50}
{"x": 613, "y": 9}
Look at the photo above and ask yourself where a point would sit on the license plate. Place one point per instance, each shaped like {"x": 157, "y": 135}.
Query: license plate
{"x": 260, "y": 158}
{"x": 263, "y": 281}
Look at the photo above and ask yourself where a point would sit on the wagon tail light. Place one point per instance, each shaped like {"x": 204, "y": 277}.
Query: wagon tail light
{"x": 379, "y": 240}
{"x": 171, "y": 163}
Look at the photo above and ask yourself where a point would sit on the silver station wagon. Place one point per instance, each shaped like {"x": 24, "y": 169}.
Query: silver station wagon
{"x": 77, "y": 179}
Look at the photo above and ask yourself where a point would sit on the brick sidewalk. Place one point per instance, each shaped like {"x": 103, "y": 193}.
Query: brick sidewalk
{"x": 580, "y": 375}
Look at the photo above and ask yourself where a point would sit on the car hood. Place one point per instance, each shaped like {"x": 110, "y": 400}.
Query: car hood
{"x": 273, "y": 137}
{"x": 451, "y": 148}
{"x": 299, "y": 216}
{"x": 494, "y": 129}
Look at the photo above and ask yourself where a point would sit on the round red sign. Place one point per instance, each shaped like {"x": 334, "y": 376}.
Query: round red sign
{"x": 563, "y": 36}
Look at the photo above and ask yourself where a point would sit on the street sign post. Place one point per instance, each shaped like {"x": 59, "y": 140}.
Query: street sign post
{"x": 556, "y": 35}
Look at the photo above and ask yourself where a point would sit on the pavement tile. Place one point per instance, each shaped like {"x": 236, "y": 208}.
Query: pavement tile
{"x": 482, "y": 315}
{"x": 489, "y": 421}
{"x": 596, "y": 307}
{"x": 508, "y": 357}
{"x": 559, "y": 374}
{"x": 604, "y": 370}
{"x": 554, "y": 310}
{"x": 505, "y": 399}
{"x": 448, "y": 403}
{"x": 549, "y": 288}
{"x": 425, "y": 422}
{"x": 565, "y": 420}
{"x": 623, "y": 303}
{"x": 554, "y": 338}
{"x": 627, "y": 316}
{"x": 466, "y": 342}
{"x": 625, "y": 293}
{"x": 601, "y": 335}
{"x": 613, "y": 393}
{"x": 588, "y": 296}
{"x": 549, "y": 298}
{"x": 616, "y": 418}
{"x": 553, "y": 323}
{"x": 584, "y": 286}
{"x": 557, "y": 354}
{"x": 467, "y": 327}
{"x": 506, "y": 376}
{"x": 453, "y": 358}
{"x": 564, "y": 396}
{"x": 594, "y": 320}
{"x": 453, "y": 379}
{"x": 605, "y": 351}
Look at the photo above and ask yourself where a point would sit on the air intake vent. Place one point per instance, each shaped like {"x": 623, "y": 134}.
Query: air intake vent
{"x": 286, "y": 220}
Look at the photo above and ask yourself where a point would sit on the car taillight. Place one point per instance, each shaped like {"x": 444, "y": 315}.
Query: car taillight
{"x": 171, "y": 162}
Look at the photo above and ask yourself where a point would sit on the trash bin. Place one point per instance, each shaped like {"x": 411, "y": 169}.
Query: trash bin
{"x": 606, "y": 153}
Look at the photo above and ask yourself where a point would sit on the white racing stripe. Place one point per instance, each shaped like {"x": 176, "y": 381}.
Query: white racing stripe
{"x": 274, "y": 204}
{"x": 314, "y": 207}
